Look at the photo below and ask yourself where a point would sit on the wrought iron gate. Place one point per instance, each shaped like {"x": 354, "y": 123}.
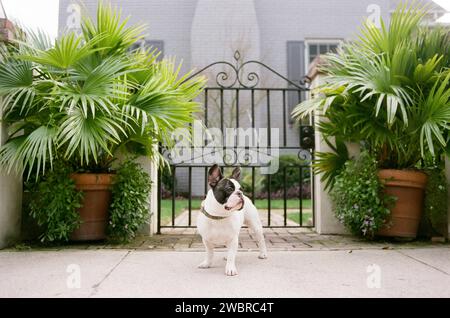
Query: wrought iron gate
{"x": 255, "y": 98}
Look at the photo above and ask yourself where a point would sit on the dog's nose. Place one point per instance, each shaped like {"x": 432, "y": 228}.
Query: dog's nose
{"x": 240, "y": 194}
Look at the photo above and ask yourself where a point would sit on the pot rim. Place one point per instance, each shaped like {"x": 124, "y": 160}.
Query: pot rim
{"x": 92, "y": 173}
{"x": 92, "y": 179}
{"x": 404, "y": 178}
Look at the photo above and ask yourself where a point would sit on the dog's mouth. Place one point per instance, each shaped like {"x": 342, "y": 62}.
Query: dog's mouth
{"x": 237, "y": 207}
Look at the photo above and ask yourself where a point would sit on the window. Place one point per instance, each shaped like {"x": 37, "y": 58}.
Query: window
{"x": 299, "y": 55}
{"x": 317, "y": 48}
{"x": 154, "y": 44}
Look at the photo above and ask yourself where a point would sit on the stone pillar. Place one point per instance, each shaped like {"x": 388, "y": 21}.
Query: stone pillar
{"x": 10, "y": 184}
{"x": 151, "y": 168}
{"x": 325, "y": 221}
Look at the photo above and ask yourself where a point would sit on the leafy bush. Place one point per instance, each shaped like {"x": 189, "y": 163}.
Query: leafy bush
{"x": 356, "y": 195}
{"x": 167, "y": 182}
{"x": 246, "y": 181}
{"x": 54, "y": 204}
{"x": 291, "y": 163}
{"x": 435, "y": 212}
{"x": 330, "y": 164}
{"x": 291, "y": 192}
{"x": 129, "y": 209}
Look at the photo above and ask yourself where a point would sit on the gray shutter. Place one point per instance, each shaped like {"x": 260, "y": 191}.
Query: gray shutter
{"x": 295, "y": 70}
{"x": 156, "y": 44}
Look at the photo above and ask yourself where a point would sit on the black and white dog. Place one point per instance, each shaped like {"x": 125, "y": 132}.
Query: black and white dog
{"x": 223, "y": 212}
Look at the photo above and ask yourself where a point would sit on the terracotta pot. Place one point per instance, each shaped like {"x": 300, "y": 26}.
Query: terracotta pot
{"x": 94, "y": 212}
{"x": 408, "y": 187}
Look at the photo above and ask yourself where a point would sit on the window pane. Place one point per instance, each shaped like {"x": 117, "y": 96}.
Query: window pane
{"x": 333, "y": 47}
{"x": 323, "y": 48}
{"x": 312, "y": 49}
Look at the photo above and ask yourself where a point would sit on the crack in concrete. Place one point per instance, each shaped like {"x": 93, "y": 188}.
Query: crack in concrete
{"x": 422, "y": 262}
{"x": 97, "y": 286}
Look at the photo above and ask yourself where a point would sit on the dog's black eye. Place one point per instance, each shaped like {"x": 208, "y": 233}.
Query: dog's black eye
{"x": 229, "y": 190}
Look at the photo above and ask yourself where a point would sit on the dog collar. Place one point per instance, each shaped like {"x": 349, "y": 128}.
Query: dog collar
{"x": 212, "y": 217}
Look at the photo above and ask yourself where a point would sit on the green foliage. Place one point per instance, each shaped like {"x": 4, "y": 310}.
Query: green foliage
{"x": 54, "y": 204}
{"x": 436, "y": 206}
{"x": 246, "y": 181}
{"x": 389, "y": 90}
{"x": 357, "y": 197}
{"x": 88, "y": 96}
{"x": 291, "y": 163}
{"x": 168, "y": 182}
{"x": 129, "y": 209}
{"x": 330, "y": 164}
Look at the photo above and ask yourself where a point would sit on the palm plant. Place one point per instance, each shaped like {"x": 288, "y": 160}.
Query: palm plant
{"x": 389, "y": 90}
{"x": 88, "y": 96}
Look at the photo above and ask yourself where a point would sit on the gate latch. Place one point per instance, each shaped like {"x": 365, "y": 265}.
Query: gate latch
{"x": 307, "y": 137}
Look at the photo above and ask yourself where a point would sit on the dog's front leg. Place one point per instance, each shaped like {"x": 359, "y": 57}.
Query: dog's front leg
{"x": 261, "y": 243}
{"x": 230, "y": 268}
{"x": 209, "y": 255}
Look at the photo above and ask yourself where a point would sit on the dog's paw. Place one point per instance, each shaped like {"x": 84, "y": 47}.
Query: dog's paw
{"x": 204, "y": 264}
{"x": 262, "y": 255}
{"x": 231, "y": 271}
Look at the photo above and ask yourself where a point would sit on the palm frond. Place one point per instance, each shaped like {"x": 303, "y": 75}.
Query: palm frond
{"x": 30, "y": 152}
{"x": 117, "y": 37}
{"x": 85, "y": 137}
{"x": 436, "y": 116}
{"x": 330, "y": 164}
{"x": 91, "y": 90}
{"x": 68, "y": 50}
{"x": 16, "y": 86}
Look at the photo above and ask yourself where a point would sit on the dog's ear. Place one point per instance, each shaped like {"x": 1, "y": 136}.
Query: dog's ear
{"x": 214, "y": 175}
{"x": 236, "y": 174}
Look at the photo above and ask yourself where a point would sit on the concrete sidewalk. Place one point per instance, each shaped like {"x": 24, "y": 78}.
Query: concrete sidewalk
{"x": 422, "y": 272}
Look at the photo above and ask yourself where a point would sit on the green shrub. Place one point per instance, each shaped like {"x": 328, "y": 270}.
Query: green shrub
{"x": 246, "y": 181}
{"x": 435, "y": 211}
{"x": 357, "y": 197}
{"x": 54, "y": 204}
{"x": 129, "y": 209}
{"x": 291, "y": 163}
{"x": 167, "y": 182}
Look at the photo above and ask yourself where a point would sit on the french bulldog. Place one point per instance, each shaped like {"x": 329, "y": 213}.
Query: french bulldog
{"x": 223, "y": 212}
